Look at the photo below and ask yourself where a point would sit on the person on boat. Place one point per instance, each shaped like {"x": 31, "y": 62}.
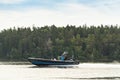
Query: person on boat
{"x": 54, "y": 59}
{"x": 64, "y": 56}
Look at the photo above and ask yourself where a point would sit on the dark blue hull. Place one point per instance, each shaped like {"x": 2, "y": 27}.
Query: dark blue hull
{"x": 41, "y": 61}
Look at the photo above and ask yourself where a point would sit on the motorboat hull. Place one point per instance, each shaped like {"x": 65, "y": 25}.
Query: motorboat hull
{"x": 41, "y": 61}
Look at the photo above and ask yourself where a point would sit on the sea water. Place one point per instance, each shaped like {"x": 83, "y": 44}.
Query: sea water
{"x": 83, "y": 71}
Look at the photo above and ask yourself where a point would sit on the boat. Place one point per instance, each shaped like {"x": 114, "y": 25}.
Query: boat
{"x": 62, "y": 60}
{"x": 42, "y": 61}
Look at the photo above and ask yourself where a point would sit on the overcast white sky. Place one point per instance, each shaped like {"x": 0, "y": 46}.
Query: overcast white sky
{"x": 25, "y": 13}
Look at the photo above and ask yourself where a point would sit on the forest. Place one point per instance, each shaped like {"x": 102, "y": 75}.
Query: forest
{"x": 86, "y": 43}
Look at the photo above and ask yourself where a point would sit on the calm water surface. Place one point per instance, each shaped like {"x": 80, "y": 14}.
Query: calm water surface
{"x": 84, "y": 71}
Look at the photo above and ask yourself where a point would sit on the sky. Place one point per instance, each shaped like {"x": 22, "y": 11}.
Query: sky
{"x": 26, "y": 13}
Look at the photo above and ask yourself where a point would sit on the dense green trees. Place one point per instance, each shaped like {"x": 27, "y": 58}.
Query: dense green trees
{"x": 93, "y": 43}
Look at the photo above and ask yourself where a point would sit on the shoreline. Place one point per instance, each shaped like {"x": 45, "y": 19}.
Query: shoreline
{"x": 28, "y": 63}
{"x": 15, "y": 63}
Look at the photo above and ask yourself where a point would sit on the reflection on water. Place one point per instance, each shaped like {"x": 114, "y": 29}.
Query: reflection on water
{"x": 94, "y": 78}
{"x": 55, "y": 66}
{"x": 84, "y": 71}
{"x": 97, "y": 78}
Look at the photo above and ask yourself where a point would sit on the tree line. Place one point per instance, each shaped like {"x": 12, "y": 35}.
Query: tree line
{"x": 86, "y": 43}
